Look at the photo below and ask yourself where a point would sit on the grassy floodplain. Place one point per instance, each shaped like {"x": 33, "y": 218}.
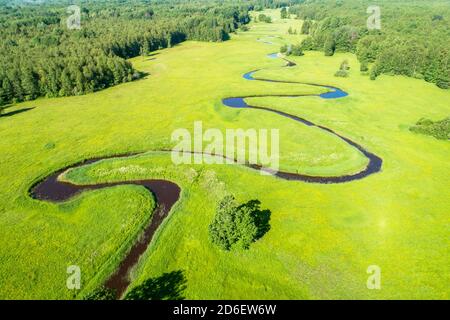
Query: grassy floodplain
{"x": 322, "y": 237}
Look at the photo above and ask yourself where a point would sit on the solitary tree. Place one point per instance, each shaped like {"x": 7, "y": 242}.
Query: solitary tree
{"x": 233, "y": 225}
{"x": 296, "y": 50}
{"x": 345, "y": 65}
{"x": 343, "y": 69}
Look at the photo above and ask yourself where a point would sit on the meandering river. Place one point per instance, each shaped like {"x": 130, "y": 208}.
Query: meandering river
{"x": 167, "y": 193}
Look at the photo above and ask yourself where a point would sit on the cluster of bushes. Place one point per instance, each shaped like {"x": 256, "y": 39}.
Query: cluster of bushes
{"x": 292, "y": 50}
{"x": 412, "y": 41}
{"x": 263, "y": 18}
{"x": 343, "y": 70}
{"x": 292, "y": 31}
{"x": 438, "y": 129}
{"x": 237, "y": 226}
{"x": 364, "y": 66}
{"x": 40, "y": 56}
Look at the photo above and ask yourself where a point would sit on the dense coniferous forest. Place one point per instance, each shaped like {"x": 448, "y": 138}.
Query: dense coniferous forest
{"x": 414, "y": 39}
{"x": 41, "y": 56}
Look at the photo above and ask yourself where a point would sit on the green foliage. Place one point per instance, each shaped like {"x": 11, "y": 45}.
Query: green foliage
{"x": 236, "y": 226}
{"x": 40, "y": 56}
{"x": 284, "y": 13}
{"x": 443, "y": 83}
{"x": 438, "y": 129}
{"x": 50, "y": 145}
{"x": 244, "y": 28}
{"x": 306, "y": 27}
{"x": 296, "y": 50}
{"x": 344, "y": 65}
{"x": 263, "y": 18}
{"x": 101, "y": 293}
{"x": 292, "y": 50}
{"x": 311, "y": 234}
{"x": 364, "y": 66}
{"x": 369, "y": 47}
{"x": 329, "y": 46}
{"x": 341, "y": 73}
{"x": 343, "y": 69}
{"x": 413, "y": 40}
{"x": 308, "y": 44}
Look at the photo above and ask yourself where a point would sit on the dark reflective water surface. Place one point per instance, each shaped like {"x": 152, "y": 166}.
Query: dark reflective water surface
{"x": 375, "y": 163}
{"x": 166, "y": 194}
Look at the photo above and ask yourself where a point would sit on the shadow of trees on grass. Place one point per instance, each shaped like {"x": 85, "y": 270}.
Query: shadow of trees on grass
{"x": 4, "y": 114}
{"x": 261, "y": 218}
{"x": 169, "y": 286}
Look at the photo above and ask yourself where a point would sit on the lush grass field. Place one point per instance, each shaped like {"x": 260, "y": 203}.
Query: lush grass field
{"x": 322, "y": 237}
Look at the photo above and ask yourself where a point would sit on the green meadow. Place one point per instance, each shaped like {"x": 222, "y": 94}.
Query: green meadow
{"x": 322, "y": 237}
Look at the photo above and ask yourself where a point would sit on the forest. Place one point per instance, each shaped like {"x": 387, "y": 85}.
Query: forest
{"x": 413, "y": 39}
{"x": 41, "y": 56}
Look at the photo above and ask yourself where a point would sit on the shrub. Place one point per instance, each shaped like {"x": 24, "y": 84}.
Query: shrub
{"x": 50, "y": 145}
{"x": 102, "y": 293}
{"x": 424, "y": 122}
{"x": 296, "y": 50}
{"x": 329, "y": 46}
{"x": 244, "y": 28}
{"x": 263, "y": 18}
{"x": 343, "y": 69}
{"x": 438, "y": 129}
{"x": 374, "y": 72}
{"x": 308, "y": 44}
{"x": 364, "y": 66}
{"x": 344, "y": 65}
{"x": 341, "y": 73}
{"x": 443, "y": 84}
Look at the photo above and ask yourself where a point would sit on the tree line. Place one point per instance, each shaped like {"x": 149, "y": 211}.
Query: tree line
{"x": 413, "y": 39}
{"x": 40, "y": 56}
